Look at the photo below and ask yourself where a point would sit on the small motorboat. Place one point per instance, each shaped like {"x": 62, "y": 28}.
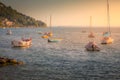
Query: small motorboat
{"x": 9, "y": 32}
{"x": 54, "y": 39}
{"x": 83, "y": 31}
{"x": 92, "y": 46}
{"x": 22, "y": 42}
{"x": 107, "y": 40}
{"x": 39, "y": 32}
{"x": 45, "y": 36}
{"x": 4, "y": 27}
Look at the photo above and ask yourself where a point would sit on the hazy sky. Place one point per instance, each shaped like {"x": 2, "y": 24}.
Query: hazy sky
{"x": 69, "y": 12}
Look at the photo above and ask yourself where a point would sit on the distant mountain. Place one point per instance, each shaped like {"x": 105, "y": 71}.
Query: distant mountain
{"x": 12, "y": 18}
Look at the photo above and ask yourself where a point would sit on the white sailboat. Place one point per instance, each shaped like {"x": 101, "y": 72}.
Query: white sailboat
{"x": 107, "y": 39}
{"x": 91, "y": 46}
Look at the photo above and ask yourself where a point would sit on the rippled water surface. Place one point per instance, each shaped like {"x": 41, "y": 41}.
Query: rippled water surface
{"x": 65, "y": 60}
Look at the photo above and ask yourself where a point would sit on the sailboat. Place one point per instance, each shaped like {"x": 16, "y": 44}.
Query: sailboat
{"x": 51, "y": 38}
{"x": 48, "y": 34}
{"x": 107, "y": 35}
{"x": 9, "y": 32}
{"x": 91, "y": 35}
{"x": 91, "y": 46}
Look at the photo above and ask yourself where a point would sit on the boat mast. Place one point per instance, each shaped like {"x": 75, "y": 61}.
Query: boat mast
{"x": 108, "y": 17}
{"x": 50, "y": 23}
{"x": 90, "y": 23}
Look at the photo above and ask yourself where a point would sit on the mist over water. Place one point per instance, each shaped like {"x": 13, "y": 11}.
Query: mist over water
{"x": 65, "y": 60}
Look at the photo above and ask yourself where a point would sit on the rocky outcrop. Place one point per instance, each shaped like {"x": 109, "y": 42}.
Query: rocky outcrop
{"x": 7, "y": 61}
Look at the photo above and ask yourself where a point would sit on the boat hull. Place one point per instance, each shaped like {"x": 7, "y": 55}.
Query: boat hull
{"x": 91, "y": 46}
{"x": 9, "y": 32}
{"x": 54, "y": 40}
{"x": 45, "y": 36}
{"x": 21, "y": 43}
{"x": 93, "y": 49}
{"x": 107, "y": 40}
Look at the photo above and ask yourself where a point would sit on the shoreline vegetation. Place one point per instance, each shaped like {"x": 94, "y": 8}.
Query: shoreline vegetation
{"x": 10, "y": 17}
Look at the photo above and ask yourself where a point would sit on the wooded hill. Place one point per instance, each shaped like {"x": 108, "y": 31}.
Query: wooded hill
{"x": 10, "y": 17}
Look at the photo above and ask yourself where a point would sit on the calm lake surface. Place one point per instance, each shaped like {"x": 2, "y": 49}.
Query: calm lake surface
{"x": 65, "y": 60}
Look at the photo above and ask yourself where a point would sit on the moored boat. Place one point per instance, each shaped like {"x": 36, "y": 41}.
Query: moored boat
{"x": 48, "y": 34}
{"x": 107, "y": 40}
{"x": 55, "y": 39}
{"x": 39, "y": 32}
{"x": 91, "y": 35}
{"x": 9, "y": 32}
{"x": 45, "y": 36}
{"x": 92, "y": 46}
{"x": 22, "y": 43}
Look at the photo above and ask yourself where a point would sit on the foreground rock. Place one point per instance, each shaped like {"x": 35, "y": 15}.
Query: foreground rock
{"x": 7, "y": 61}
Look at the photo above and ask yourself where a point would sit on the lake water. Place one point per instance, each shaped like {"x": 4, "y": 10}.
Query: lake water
{"x": 65, "y": 60}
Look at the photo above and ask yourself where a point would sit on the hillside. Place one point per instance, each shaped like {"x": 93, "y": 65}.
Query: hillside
{"x": 12, "y": 18}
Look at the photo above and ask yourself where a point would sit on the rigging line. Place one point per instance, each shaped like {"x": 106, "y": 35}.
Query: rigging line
{"x": 108, "y": 17}
{"x": 90, "y": 23}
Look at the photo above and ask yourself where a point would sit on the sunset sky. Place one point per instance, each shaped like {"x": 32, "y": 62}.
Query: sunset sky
{"x": 69, "y": 12}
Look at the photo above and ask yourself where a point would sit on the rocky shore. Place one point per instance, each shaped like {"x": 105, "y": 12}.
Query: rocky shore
{"x": 6, "y": 61}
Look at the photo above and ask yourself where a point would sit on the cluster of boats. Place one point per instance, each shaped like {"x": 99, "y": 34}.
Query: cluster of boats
{"x": 26, "y": 42}
{"x": 91, "y": 46}
{"x": 50, "y": 37}
{"x": 20, "y": 43}
{"x": 107, "y": 39}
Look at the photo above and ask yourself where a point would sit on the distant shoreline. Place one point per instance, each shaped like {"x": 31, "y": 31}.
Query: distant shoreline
{"x": 60, "y": 27}
{"x": 26, "y": 27}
